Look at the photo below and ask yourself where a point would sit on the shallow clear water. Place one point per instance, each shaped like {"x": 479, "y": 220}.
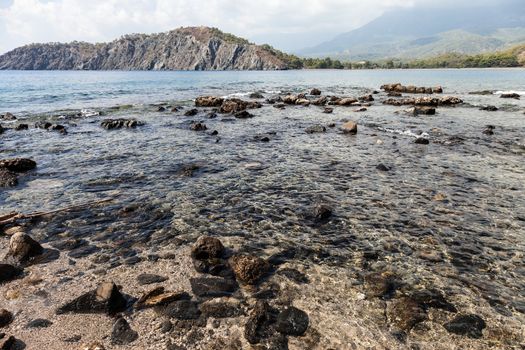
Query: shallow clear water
{"x": 264, "y": 192}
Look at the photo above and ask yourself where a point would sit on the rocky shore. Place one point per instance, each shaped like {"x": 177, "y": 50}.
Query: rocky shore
{"x": 72, "y": 278}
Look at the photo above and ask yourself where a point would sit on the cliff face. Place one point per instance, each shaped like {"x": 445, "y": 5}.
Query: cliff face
{"x": 195, "y": 48}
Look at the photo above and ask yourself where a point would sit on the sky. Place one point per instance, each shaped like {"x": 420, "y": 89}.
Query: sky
{"x": 288, "y": 25}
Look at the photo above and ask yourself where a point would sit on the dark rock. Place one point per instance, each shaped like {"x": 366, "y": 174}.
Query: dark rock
{"x": 382, "y": 167}
{"x": 214, "y": 133}
{"x": 467, "y": 325}
{"x": 198, "y": 126}
{"x": 421, "y": 141}
{"x": 489, "y": 108}
{"x": 9, "y": 272}
{"x": 18, "y": 165}
{"x": 265, "y": 139}
{"x": 109, "y": 124}
{"x": 8, "y": 116}
{"x": 213, "y": 266}
{"x": 182, "y": 310}
{"x": 235, "y": 105}
{"x": 362, "y": 109}
{"x": 8, "y": 178}
{"x": 256, "y": 95}
{"x": 9, "y": 343}
{"x": 105, "y": 299}
{"x": 270, "y": 293}
{"x": 328, "y": 110}
{"x": 430, "y": 298}
{"x": 405, "y": 313}
{"x": 366, "y": 98}
{"x": 489, "y": 130}
{"x": 166, "y": 326}
{"x": 208, "y": 101}
{"x": 83, "y": 251}
{"x": 294, "y": 275}
{"x": 161, "y": 109}
{"x": 213, "y": 287}
{"x": 212, "y": 115}
{"x": 248, "y": 269}
{"x": 220, "y": 309}
{"x": 292, "y": 321}
{"x": 73, "y": 339}
{"x": 315, "y": 129}
{"x": 511, "y": 95}
{"x": 20, "y": 127}
{"x": 349, "y": 128}
{"x": 315, "y": 92}
{"x": 5, "y": 317}
{"x": 207, "y": 248}
{"x": 39, "y": 323}
{"x": 260, "y": 323}
{"x": 191, "y": 112}
{"x": 243, "y": 115}
{"x": 43, "y": 125}
{"x": 22, "y": 248}
{"x": 424, "y": 111}
{"x": 148, "y": 278}
{"x": 381, "y": 284}
{"x": 322, "y": 212}
{"x": 122, "y": 334}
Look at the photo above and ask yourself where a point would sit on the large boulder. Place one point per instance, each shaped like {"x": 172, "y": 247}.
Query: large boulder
{"x": 22, "y": 248}
{"x": 208, "y": 101}
{"x": 18, "y": 165}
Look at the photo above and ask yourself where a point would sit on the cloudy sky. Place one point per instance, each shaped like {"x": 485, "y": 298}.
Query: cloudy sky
{"x": 286, "y": 24}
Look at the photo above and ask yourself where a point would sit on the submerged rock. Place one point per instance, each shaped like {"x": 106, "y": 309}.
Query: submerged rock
{"x": 405, "y": 313}
{"x": 18, "y": 165}
{"x": 220, "y": 309}
{"x": 315, "y": 129}
{"x": 22, "y": 248}
{"x": 381, "y": 284}
{"x": 109, "y": 124}
{"x": 424, "y": 111}
{"x": 39, "y": 323}
{"x": 243, "y": 115}
{"x": 5, "y": 317}
{"x": 159, "y": 297}
{"x": 248, "y": 269}
{"x": 292, "y": 321}
{"x": 322, "y": 212}
{"x": 421, "y": 141}
{"x": 467, "y": 325}
{"x": 382, "y": 167}
{"x": 207, "y": 248}
{"x": 489, "y": 108}
{"x": 511, "y": 95}
{"x": 256, "y": 95}
{"x": 213, "y": 287}
{"x": 8, "y": 178}
{"x": 191, "y": 112}
{"x": 105, "y": 299}
{"x": 328, "y": 110}
{"x": 122, "y": 334}
{"x": 260, "y": 323}
{"x": 198, "y": 126}
{"x": 489, "y": 130}
{"x": 148, "y": 278}
{"x": 8, "y": 116}
{"x": 21, "y": 127}
{"x": 9, "y": 272}
{"x": 235, "y": 105}
{"x": 182, "y": 310}
{"x": 315, "y": 92}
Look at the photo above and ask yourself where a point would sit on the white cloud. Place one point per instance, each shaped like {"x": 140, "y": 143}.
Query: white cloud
{"x": 285, "y": 23}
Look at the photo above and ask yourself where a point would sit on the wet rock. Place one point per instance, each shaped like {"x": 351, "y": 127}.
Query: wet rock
{"x": 315, "y": 92}
{"x": 208, "y": 101}
{"x": 328, "y": 110}
{"x": 159, "y": 297}
{"x": 292, "y": 321}
{"x": 362, "y": 109}
{"x": 198, "y": 126}
{"x": 9, "y": 272}
{"x": 381, "y": 284}
{"x": 212, "y": 115}
{"x": 5, "y": 318}
{"x": 182, "y": 310}
{"x": 8, "y": 343}
{"x": 260, "y": 323}
{"x": 424, "y": 111}
{"x": 22, "y": 248}
{"x": 105, "y": 299}
{"x": 405, "y": 313}
{"x": 191, "y": 112}
{"x": 43, "y": 125}
{"x": 449, "y": 100}
{"x": 349, "y": 128}
{"x": 213, "y": 266}
{"x": 243, "y": 115}
{"x": 467, "y": 325}
{"x": 207, "y": 248}
{"x": 421, "y": 141}
{"x": 396, "y": 87}
{"x": 8, "y": 116}
{"x": 366, "y": 98}
{"x": 302, "y": 102}
{"x": 264, "y": 139}
{"x": 166, "y": 326}
{"x": 294, "y": 275}
{"x": 8, "y": 178}
{"x": 235, "y": 105}
{"x": 213, "y": 287}
{"x": 83, "y": 251}
{"x": 321, "y": 101}
{"x": 489, "y": 108}
{"x": 489, "y": 130}
{"x": 248, "y": 269}
{"x": 511, "y": 95}
{"x": 122, "y": 334}
{"x": 279, "y": 106}
{"x": 148, "y": 278}
{"x": 290, "y": 99}
{"x": 382, "y": 167}
{"x": 220, "y": 309}
{"x": 269, "y": 293}
{"x": 322, "y": 212}
{"x": 18, "y": 165}
{"x": 39, "y": 323}
{"x": 430, "y": 298}
{"x": 347, "y": 101}
{"x": 161, "y": 109}
{"x": 214, "y": 133}
{"x": 110, "y": 124}
{"x": 315, "y": 129}
{"x": 256, "y": 95}
{"x": 21, "y": 127}
{"x": 1, "y": 129}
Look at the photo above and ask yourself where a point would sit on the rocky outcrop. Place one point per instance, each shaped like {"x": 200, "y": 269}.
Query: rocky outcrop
{"x": 192, "y": 48}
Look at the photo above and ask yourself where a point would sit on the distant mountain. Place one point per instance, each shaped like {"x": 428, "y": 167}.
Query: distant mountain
{"x": 424, "y": 32}
{"x": 192, "y": 48}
